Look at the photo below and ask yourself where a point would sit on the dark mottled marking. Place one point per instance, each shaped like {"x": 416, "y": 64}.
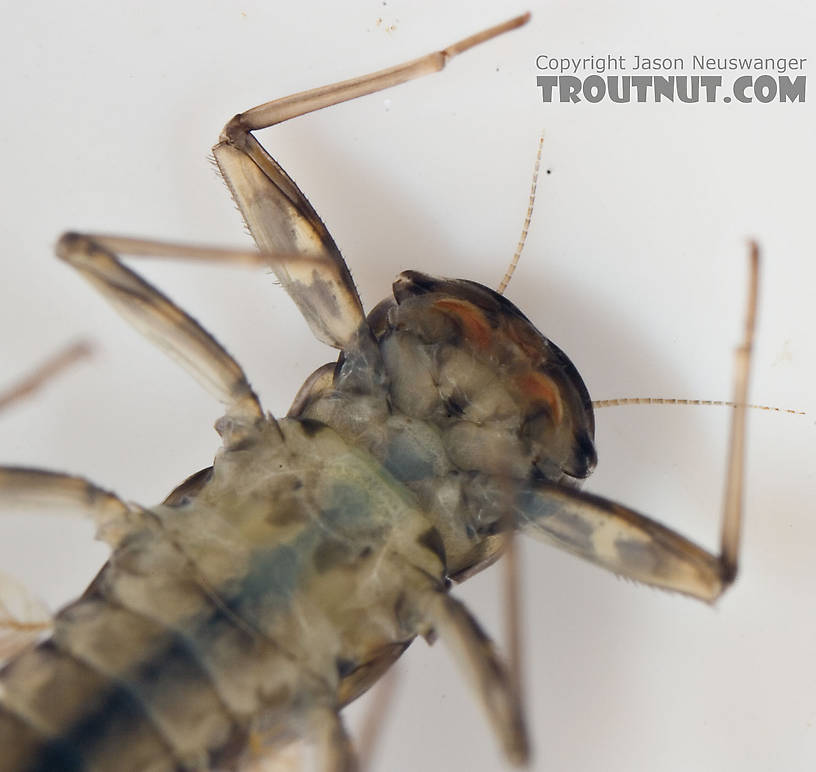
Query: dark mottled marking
{"x": 432, "y": 541}
{"x": 404, "y": 613}
{"x": 56, "y": 755}
{"x": 19, "y": 741}
{"x": 345, "y": 667}
{"x": 287, "y": 512}
{"x": 576, "y": 529}
{"x": 348, "y": 509}
{"x": 310, "y": 426}
{"x": 493, "y": 527}
{"x": 456, "y": 404}
{"x": 118, "y": 706}
{"x": 548, "y": 514}
{"x": 245, "y": 443}
{"x": 317, "y": 297}
{"x": 405, "y": 461}
{"x": 269, "y": 583}
{"x": 214, "y": 625}
{"x": 175, "y": 661}
{"x": 226, "y": 756}
{"x": 174, "y": 657}
{"x": 330, "y": 554}
{"x": 639, "y": 557}
{"x": 63, "y": 683}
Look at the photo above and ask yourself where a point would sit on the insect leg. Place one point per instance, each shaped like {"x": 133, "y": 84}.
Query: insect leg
{"x": 636, "y": 546}
{"x": 475, "y": 652}
{"x": 162, "y": 321}
{"x": 334, "y": 749}
{"x": 371, "y": 730}
{"x": 62, "y": 360}
{"x": 37, "y": 490}
{"x": 23, "y": 617}
{"x": 324, "y": 729}
{"x": 277, "y": 213}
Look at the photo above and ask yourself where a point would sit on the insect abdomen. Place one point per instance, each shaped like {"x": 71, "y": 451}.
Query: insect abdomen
{"x": 110, "y": 689}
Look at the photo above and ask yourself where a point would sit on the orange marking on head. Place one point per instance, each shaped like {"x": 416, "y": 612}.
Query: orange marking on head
{"x": 539, "y": 387}
{"x": 474, "y": 325}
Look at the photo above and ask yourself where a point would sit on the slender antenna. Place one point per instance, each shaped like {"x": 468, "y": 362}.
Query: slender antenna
{"x": 598, "y": 403}
{"x": 508, "y": 274}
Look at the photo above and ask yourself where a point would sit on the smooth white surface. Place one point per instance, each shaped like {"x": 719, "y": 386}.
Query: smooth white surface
{"x": 635, "y": 266}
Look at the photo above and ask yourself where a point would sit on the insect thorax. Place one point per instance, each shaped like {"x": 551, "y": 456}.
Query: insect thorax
{"x": 460, "y": 398}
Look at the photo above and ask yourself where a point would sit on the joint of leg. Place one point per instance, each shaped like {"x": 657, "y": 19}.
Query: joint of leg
{"x": 235, "y": 131}
{"x": 70, "y": 244}
{"x": 80, "y": 250}
{"x": 729, "y": 572}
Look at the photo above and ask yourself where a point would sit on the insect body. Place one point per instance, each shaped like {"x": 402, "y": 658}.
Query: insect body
{"x": 270, "y": 590}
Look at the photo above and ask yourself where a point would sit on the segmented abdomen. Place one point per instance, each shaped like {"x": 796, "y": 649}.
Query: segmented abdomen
{"x": 113, "y": 689}
{"x": 149, "y": 671}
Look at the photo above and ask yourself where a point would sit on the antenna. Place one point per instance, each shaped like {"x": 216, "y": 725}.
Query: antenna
{"x": 508, "y": 274}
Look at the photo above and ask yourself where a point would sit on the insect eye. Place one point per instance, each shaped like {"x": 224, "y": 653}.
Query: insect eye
{"x": 584, "y": 457}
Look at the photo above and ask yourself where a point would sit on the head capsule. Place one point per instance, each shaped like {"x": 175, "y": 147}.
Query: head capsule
{"x": 505, "y": 399}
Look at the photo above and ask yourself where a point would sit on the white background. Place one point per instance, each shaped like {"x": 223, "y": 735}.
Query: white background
{"x": 635, "y": 266}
